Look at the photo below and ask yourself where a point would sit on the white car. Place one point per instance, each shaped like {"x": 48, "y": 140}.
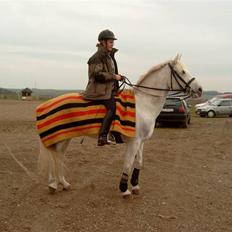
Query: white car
{"x": 211, "y": 101}
{"x": 216, "y": 108}
{"x": 200, "y": 105}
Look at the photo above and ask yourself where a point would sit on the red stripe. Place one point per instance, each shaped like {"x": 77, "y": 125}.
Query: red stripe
{"x": 126, "y": 96}
{"x": 85, "y": 128}
{"x": 123, "y": 127}
{"x": 41, "y": 109}
{"x": 72, "y": 130}
{"x": 70, "y": 115}
{"x": 124, "y": 113}
{"x": 81, "y": 113}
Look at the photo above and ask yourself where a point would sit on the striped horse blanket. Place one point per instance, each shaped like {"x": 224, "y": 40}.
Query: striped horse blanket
{"x": 69, "y": 116}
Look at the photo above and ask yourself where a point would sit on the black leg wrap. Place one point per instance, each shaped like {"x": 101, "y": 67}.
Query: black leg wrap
{"x": 135, "y": 177}
{"x": 123, "y": 186}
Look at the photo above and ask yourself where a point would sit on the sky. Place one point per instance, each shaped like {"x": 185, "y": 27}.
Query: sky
{"x": 46, "y": 43}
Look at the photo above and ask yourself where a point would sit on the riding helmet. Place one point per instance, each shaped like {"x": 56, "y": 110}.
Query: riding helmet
{"x": 106, "y": 34}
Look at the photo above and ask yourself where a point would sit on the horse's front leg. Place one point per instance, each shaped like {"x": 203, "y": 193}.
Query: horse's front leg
{"x": 137, "y": 167}
{"x": 131, "y": 151}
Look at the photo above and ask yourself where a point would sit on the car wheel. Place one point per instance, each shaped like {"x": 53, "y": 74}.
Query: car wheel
{"x": 197, "y": 112}
{"x": 230, "y": 115}
{"x": 185, "y": 123}
{"x": 211, "y": 114}
{"x": 156, "y": 124}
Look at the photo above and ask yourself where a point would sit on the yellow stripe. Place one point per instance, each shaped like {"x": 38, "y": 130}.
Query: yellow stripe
{"x": 68, "y": 134}
{"x": 83, "y": 109}
{"x": 69, "y": 120}
{"x": 125, "y": 130}
{"x": 71, "y": 110}
{"x": 67, "y": 101}
{"x": 76, "y": 119}
{"x": 90, "y": 131}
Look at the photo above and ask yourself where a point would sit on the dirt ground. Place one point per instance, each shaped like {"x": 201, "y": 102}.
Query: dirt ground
{"x": 186, "y": 181}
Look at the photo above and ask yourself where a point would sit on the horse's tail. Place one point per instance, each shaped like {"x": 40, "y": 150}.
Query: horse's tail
{"x": 50, "y": 164}
{"x": 45, "y": 160}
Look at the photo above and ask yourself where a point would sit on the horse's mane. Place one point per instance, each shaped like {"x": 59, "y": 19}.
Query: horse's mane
{"x": 152, "y": 70}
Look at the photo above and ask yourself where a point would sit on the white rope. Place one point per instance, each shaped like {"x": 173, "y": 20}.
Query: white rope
{"x": 20, "y": 164}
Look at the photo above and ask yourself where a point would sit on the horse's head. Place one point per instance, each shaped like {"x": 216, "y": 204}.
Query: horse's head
{"x": 182, "y": 80}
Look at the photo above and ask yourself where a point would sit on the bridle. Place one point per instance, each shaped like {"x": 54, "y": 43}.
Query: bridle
{"x": 185, "y": 88}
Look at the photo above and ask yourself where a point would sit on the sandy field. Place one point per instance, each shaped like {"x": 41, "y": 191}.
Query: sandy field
{"x": 186, "y": 181}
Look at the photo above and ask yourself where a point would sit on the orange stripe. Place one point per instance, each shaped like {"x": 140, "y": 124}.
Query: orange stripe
{"x": 40, "y": 109}
{"x": 126, "y": 96}
{"x": 121, "y": 113}
{"x": 124, "y": 113}
{"x": 72, "y": 130}
{"x": 86, "y": 128}
{"x": 126, "y": 128}
{"x": 70, "y": 115}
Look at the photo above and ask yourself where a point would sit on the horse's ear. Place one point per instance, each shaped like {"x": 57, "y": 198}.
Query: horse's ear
{"x": 177, "y": 58}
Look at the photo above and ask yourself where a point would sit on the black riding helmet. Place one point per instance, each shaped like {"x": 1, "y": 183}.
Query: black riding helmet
{"x": 106, "y": 34}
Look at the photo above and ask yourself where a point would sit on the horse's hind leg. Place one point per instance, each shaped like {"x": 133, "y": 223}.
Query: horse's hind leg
{"x": 61, "y": 148}
{"x": 47, "y": 166}
{"x": 52, "y": 172}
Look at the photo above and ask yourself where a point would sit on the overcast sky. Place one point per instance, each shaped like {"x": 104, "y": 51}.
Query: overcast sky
{"x": 46, "y": 44}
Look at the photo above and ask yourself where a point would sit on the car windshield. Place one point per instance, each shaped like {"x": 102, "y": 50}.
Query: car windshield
{"x": 216, "y": 103}
{"x": 172, "y": 102}
{"x": 212, "y": 100}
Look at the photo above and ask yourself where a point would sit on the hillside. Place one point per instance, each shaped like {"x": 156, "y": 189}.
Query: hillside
{"x": 50, "y": 93}
{"x": 6, "y": 91}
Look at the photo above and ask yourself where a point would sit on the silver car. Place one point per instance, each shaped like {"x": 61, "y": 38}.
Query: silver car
{"x": 200, "y": 105}
{"x": 216, "y": 107}
{"x": 217, "y": 97}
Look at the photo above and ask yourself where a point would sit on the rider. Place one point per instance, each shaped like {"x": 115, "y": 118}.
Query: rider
{"x": 103, "y": 80}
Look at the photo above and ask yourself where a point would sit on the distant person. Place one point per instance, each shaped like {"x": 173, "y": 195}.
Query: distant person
{"x": 103, "y": 81}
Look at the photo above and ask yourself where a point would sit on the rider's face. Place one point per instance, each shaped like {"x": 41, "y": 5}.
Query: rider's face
{"x": 108, "y": 44}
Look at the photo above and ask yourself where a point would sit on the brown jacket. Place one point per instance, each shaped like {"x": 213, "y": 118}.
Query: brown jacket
{"x": 102, "y": 83}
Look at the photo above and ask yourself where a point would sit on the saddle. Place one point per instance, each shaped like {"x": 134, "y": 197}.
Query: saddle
{"x": 70, "y": 115}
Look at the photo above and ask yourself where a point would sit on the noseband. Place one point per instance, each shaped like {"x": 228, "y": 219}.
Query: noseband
{"x": 179, "y": 79}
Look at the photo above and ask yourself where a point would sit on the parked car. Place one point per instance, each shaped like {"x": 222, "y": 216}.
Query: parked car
{"x": 175, "y": 110}
{"x": 221, "y": 96}
{"x": 217, "y": 107}
{"x": 200, "y": 105}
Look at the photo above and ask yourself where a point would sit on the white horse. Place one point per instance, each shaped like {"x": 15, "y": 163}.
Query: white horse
{"x": 150, "y": 94}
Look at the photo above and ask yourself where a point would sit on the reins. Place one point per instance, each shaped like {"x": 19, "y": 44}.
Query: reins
{"x": 174, "y": 74}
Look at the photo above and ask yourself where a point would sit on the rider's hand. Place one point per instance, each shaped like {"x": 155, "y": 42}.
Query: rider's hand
{"x": 119, "y": 77}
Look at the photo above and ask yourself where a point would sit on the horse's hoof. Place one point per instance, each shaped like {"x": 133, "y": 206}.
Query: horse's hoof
{"x": 52, "y": 188}
{"x": 126, "y": 195}
{"x": 136, "y": 190}
{"x": 67, "y": 187}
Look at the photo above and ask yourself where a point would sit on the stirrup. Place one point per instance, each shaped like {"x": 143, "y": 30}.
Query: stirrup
{"x": 111, "y": 139}
{"x": 102, "y": 141}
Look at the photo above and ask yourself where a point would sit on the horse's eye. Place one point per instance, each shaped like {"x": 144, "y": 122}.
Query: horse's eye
{"x": 183, "y": 72}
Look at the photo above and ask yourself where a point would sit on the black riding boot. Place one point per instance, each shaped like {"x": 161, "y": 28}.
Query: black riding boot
{"x": 102, "y": 139}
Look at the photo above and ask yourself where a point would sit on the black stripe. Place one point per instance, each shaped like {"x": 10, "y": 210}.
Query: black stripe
{"x": 63, "y": 107}
{"x": 82, "y": 123}
{"x": 125, "y": 104}
{"x": 76, "y": 105}
{"x": 124, "y": 122}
